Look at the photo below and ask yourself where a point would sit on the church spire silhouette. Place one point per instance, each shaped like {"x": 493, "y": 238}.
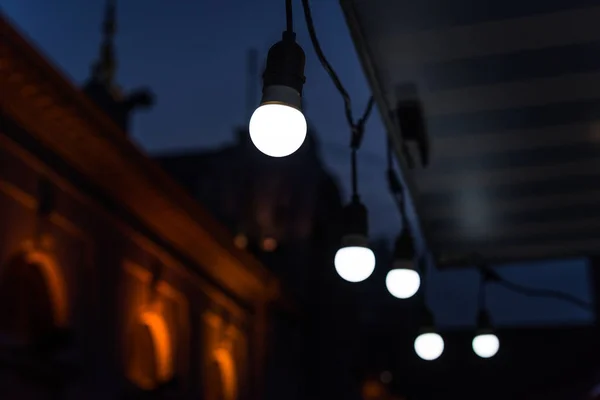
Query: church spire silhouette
{"x": 102, "y": 87}
{"x": 104, "y": 68}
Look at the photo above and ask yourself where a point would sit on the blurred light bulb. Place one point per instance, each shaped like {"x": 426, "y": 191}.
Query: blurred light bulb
{"x": 354, "y": 263}
{"x": 240, "y": 241}
{"x": 269, "y": 244}
{"x": 386, "y": 377}
{"x": 403, "y": 283}
{"x": 486, "y": 345}
{"x": 429, "y": 346}
{"x": 277, "y": 130}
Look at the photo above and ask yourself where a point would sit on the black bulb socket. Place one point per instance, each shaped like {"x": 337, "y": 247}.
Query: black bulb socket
{"x": 404, "y": 249}
{"x": 283, "y": 78}
{"x": 355, "y": 224}
{"x": 484, "y": 323}
{"x": 427, "y": 321}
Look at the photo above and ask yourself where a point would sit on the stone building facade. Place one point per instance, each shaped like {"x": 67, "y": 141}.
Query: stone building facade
{"x": 114, "y": 283}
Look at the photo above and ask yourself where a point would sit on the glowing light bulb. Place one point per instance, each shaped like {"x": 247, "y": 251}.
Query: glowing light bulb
{"x": 429, "y": 346}
{"x": 403, "y": 283}
{"x": 240, "y": 241}
{"x": 486, "y": 345}
{"x": 354, "y": 263}
{"x": 277, "y": 130}
{"x": 269, "y": 244}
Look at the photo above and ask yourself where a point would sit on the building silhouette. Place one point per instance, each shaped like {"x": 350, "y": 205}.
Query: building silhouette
{"x": 102, "y": 87}
{"x": 114, "y": 283}
{"x": 286, "y": 211}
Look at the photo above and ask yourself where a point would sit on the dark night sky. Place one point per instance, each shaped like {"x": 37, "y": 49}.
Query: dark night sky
{"x": 193, "y": 55}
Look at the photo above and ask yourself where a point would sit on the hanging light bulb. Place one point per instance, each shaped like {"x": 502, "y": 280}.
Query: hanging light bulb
{"x": 355, "y": 261}
{"x": 277, "y": 130}
{"x": 278, "y": 127}
{"x": 403, "y": 281}
{"x": 429, "y": 345}
{"x": 485, "y": 343}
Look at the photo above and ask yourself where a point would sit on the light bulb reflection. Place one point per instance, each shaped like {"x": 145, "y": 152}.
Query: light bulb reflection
{"x": 354, "y": 263}
{"x": 277, "y": 130}
{"x": 429, "y": 346}
{"x": 486, "y": 345}
{"x": 403, "y": 283}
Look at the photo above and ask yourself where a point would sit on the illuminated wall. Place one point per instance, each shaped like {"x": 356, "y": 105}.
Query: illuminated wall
{"x": 95, "y": 305}
{"x": 225, "y": 361}
{"x": 113, "y": 283}
{"x": 82, "y": 270}
{"x": 33, "y": 298}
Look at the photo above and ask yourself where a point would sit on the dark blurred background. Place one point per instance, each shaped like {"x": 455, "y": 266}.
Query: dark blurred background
{"x": 489, "y": 100}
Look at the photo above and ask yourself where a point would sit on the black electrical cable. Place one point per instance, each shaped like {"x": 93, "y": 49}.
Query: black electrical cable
{"x": 362, "y": 121}
{"x": 395, "y": 186}
{"x": 424, "y": 275}
{"x": 389, "y": 154}
{"x": 547, "y": 293}
{"x": 401, "y": 203}
{"x": 289, "y": 16}
{"x": 490, "y": 275}
{"x": 482, "y": 298}
{"x": 357, "y": 134}
{"x": 336, "y": 80}
{"x": 393, "y": 182}
{"x": 355, "y": 196}
{"x": 357, "y": 127}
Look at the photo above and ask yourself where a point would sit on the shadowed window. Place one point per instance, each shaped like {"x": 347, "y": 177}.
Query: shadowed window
{"x": 26, "y": 310}
{"x": 143, "y": 358}
{"x": 216, "y": 383}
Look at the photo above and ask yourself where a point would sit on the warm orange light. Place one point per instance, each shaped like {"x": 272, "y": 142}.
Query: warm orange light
{"x": 240, "y": 241}
{"x": 55, "y": 282}
{"x": 269, "y": 244}
{"x": 162, "y": 342}
{"x": 372, "y": 390}
{"x": 227, "y": 365}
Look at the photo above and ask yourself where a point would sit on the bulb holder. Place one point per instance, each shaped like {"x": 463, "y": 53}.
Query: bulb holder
{"x": 285, "y": 67}
{"x": 427, "y": 329}
{"x": 355, "y": 241}
{"x": 279, "y": 94}
{"x": 403, "y": 264}
{"x": 404, "y": 248}
{"x": 484, "y": 323}
{"x": 355, "y": 221}
{"x": 486, "y": 331}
